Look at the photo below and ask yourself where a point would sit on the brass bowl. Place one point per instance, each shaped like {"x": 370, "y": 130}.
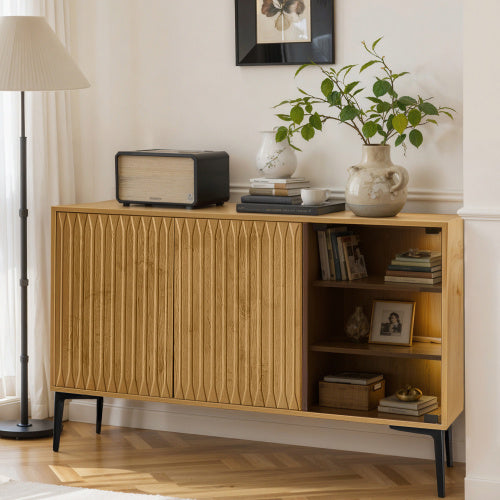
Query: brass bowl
{"x": 409, "y": 394}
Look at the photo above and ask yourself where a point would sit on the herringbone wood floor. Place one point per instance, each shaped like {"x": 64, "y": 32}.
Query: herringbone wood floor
{"x": 200, "y": 467}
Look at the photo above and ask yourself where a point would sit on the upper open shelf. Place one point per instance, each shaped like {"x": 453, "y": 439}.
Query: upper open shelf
{"x": 378, "y": 283}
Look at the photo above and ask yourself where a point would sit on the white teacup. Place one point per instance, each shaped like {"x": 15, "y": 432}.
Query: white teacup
{"x": 314, "y": 196}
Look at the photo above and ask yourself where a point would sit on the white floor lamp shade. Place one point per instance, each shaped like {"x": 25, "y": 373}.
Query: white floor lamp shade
{"x": 31, "y": 58}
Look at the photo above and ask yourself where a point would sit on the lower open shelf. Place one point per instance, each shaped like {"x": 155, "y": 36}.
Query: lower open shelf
{"x": 433, "y": 417}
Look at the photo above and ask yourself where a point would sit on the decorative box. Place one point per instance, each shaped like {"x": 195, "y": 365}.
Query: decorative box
{"x": 350, "y": 396}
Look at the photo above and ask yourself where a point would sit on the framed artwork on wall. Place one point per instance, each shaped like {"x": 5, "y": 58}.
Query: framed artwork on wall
{"x": 270, "y": 32}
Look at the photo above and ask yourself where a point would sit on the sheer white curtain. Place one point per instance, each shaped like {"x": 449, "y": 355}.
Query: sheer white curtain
{"x": 50, "y": 181}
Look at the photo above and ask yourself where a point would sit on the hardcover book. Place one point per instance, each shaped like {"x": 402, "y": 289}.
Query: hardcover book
{"x": 419, "y": 256}
{"x": 269, "y": 208}
{"x": 356, "y": 378}
{"x": 415, "y": 264}
{"x": 283, "y": 200}
{"x": 407, "y": 411}
{"x": 274, "y": 192}
{"x": 407, "y": 279}
{"x": 414, "y": 274}
{"x": 397, "y": 267}
{"x": 394, "y": 401}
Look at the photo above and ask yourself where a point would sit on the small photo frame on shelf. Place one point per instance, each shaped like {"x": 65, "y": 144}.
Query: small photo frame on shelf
{"x": 284, "y": 32}
{"x": 392, "y": 322}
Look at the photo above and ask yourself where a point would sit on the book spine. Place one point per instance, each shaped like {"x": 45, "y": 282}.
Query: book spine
{"x": 285, "y": 200}
{"x": 331, "y": 259}
{"x": 395, "y": 267}
{"x": 274, "y": 192}
{"x": 278, "y": 185}
{"x": 401, "y": 279}
{"x": 323, "y": 256}
{"x": 414, "y": 274}
{"x": 262, "y": 208}
{"x": 336, "y": 259}
{"x": 341, "y": 258}
{"x": 396, "y": 262}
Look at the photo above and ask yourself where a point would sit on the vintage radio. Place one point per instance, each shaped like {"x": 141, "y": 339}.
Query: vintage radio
{"x": 168, "y": 177}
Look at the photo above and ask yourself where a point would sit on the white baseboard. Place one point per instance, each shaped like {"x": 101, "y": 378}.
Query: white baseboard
{"x": 261, "y": 427}
{"x": 481, "y": 489}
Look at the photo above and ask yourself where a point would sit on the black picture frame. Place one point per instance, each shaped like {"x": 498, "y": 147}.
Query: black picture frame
{"x": 320, "y": 50}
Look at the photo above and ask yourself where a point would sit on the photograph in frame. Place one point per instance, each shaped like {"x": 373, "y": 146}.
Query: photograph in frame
{"x": 392, "y": 322}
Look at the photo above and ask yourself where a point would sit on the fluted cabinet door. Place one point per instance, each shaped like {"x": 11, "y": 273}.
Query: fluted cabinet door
{"x": 113, "y": 311}
{"x": 237, "y": 312}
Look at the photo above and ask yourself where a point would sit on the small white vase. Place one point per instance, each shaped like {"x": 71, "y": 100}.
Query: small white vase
{"x": 275, "y": 159}
{"x": 376, "y": 187}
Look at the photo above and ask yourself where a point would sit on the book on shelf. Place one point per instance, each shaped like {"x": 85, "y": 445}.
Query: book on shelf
{"x": 418, "y": 269}
{"x": 407, "y": 411}
{"x": 408, "y": 279}
{"x": 413, "y": 255}
{"x": 332, "y": 233}
{"x": 414, "y": 274}
{"x": 392, "y": 404}
{"x": 331, "y": 259}
{"x": 426, "y": 265}
{"x": 323, "y": 255}
{"x": 354, "y": 260}
{"x": 283, "y": 181}
{"x": 422, "y": 402}
{"x": 283, "y": 200}
{"x": 274, "y": 192}
{"x": 281, "y": 185}
{"x": 355, "y": 378}
{"x": 270, "y": 208}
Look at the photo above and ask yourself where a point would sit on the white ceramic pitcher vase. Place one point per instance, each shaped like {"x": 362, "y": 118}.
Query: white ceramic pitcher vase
{"x": 376, "y": 187}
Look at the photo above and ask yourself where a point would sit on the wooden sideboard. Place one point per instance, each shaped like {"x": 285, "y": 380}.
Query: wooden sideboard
{"x": 211, "y": 307}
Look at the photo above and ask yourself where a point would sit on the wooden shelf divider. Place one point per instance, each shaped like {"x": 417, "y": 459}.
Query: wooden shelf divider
{"x": 378, "y": 283}
{"x": 419, "y": 350}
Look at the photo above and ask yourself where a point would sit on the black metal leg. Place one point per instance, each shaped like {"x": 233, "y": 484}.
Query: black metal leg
{"x": 59, "y": 399}
{"x": 439, "y": 438}
{"x": 98, "y": 421}
{"x": 449, "y": 447}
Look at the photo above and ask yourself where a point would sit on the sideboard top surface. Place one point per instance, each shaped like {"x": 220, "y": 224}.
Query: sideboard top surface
{"x": 228, "y": 211}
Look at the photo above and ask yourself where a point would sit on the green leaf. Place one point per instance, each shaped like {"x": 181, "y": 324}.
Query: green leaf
{"x": 302, "y": 67}
{"x": 369, "y": 129}
{"x": 357, "y": 92}
{"x": 376, "y": 100}
{"x": 309, "y": 108}
{"x": 400, "y": 139}
{"x": 349, "y": 87}
{"x": 380, "y": 130}
{"x": 399, "y": 75}
{"x": 315, "y": 121}
{"x": 401, "y": 106}
{"x": 383, "y": 107}
{"x": 297, "y": 114}
{"x": 447, "y": 114}
{"x": 326, "y": 87}
{"x": 348, "y": 113}
{"x": 367, "y": 65}
{"x": 389, "y": 123}
{"x": 302, "y": 91}
{"x": 281, "y": 104}
{"x": 414, "y": 117}
{"x": 392, "y": 93}
{"x": 432, "y": 121}
{"x": 285, "y": 118}
{"x": 428, "y": 108}
{"x": 407, "y": 100}
{"x": 416, "y": 137}
{"x": 381, "y": 87}
{"x": 281, "y": 134}
{"x": 335, "y": 98}
{"x": 307, "y": 132}
{"x": 346, "y": 68}
{"x": 374, "y": 44}
{"x": 400, "y": 122}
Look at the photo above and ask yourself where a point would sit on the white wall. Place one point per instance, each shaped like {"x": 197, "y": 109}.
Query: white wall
{"x": 482, "y": 248}
{"x": 163, "y": 74}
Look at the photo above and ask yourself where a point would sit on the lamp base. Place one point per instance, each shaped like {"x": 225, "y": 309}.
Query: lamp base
{"x": 37, "y": 429}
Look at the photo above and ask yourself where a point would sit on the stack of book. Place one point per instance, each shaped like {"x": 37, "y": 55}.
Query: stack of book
{"x": 282, "y": 196}
{"x": 339, "y": 254}
{"x": 392, "y": 404}
{"x": 415, "y": 266}
{"x": 283, "y": 191}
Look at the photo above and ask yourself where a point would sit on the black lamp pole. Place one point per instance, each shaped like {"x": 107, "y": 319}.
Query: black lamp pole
{"x": 25, "y": 428}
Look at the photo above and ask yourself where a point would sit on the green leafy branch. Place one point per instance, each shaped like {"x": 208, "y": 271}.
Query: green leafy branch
{"x": 388, "y": 116}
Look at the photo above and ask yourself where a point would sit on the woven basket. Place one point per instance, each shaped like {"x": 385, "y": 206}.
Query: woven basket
{"x": 350, "y": 396}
